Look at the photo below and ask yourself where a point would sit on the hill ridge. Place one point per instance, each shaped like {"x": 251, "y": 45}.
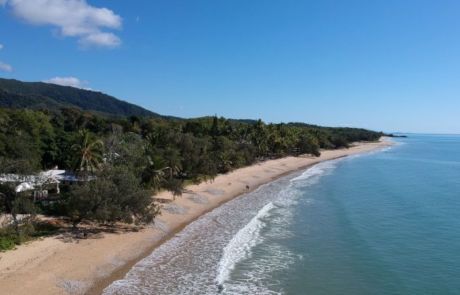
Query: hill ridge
{"x": 39, "y": 95}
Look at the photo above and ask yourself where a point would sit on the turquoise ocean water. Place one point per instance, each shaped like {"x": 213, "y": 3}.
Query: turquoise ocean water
{"x": 387, "y": 222}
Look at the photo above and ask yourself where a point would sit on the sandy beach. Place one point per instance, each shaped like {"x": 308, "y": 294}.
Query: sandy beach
{"x": 59, "y": 265}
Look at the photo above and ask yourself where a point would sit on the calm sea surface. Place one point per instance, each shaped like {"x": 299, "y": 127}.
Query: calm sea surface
{"x": 387, "y": 222}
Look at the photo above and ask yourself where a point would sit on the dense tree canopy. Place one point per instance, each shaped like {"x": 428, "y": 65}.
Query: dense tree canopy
{"x": 125, "y": 160}
{"x": 182, "y": 149}
{"x": 115, "y": 196}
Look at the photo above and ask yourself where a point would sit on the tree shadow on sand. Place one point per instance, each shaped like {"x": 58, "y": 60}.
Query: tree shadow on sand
{"x": 87, "y": 232}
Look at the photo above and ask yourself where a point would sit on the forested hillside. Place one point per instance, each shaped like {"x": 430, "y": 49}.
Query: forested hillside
{"x": 39, "y": 95}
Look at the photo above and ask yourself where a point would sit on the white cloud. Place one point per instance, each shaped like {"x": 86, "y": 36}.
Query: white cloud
{"x": 67, "y": 81}
{"x": 101, "y": 40}
{"x": 73, "y": 18}
{"x": 1, "y": 46}
{"x": 5, "y": 67}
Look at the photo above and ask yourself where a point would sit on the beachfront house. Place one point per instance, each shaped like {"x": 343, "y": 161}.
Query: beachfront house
{"x": 42, "y": 185}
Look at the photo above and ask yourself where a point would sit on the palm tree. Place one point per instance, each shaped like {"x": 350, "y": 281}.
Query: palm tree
{"x": 88, "y": 152}
{"x": 154, "y": 173}
{"x": 157, "y": 175}
{"x": 259, "y": 138}
{"x": 173, "y": 160}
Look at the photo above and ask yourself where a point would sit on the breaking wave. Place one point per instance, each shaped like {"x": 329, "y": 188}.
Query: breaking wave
{"x": 241, "y": 244}
{"x": 317, "y": 170}
{"x": 205, "y": 257}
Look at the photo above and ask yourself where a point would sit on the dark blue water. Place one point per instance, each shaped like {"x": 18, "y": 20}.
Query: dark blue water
{"x": 382, "y": 223}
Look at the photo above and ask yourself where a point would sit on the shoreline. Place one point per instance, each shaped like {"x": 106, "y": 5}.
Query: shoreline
{"x": 54, "y": 266}
{"x": 120, "y": 273}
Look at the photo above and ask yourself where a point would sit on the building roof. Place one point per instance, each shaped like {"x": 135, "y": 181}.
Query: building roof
{"x": 29, "y": 182}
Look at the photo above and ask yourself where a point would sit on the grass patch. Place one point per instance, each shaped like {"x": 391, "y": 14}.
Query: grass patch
{"x": 9, "y": 239}
{"x": 7, "y": 243}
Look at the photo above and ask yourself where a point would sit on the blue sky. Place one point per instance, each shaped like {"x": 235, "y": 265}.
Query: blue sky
{"x": 385, "y": 65}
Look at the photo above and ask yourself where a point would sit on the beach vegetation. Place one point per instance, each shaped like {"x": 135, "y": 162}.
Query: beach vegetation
{"x": 121, "y": 161}
{"x": 88, "y": 152}
{"x": 115, "y": 195}
{"x": 29, "y": 230}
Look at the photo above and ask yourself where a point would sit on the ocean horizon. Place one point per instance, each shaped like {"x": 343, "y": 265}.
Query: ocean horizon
{"x": 384, "y": 222}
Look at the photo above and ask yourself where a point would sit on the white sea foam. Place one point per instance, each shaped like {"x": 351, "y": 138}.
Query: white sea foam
{"x": 316, "y": 170}
{"x": 255, "y": 275}
{"x": 208, "y": 251}
{"x": 241, "y": 244}
{"x": 376, "y": 151}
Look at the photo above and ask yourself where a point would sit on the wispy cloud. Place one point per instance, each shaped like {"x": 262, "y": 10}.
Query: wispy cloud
{"x": 100, "y": 39}
{"x": 68, "y": 81}
{"x": 5, "y": 67}
{"x": 73, "y": 18}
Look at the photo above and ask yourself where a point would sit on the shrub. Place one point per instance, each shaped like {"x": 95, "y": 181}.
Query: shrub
{"x": 7, "y": 243}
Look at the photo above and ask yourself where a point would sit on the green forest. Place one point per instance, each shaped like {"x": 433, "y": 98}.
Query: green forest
{"x": 39, "y": 95}
{"x": 122, "y": 161}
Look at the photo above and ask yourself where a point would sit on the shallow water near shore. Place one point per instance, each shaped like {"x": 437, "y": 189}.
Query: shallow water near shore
{"x": 386, "y": 222}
